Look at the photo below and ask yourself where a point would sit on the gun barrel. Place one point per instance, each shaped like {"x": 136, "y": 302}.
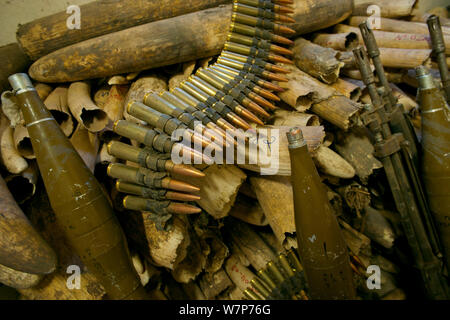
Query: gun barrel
{"x": 437, "y": 41}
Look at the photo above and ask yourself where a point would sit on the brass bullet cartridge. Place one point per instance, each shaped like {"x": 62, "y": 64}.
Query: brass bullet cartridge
{"x": 261, "y": 12}
{"x": 275, "y": 272}
{"x": 250, "y": 68}
{"x": 283, "y": 261}
{"x": 77, "y": 199}
{"x": 156, "y": 194}
{"x": 248, "y": 75}
{"x": 157, "y": 102}
{"x": 260, "y": 287}
{"x": 228, "y": 76}
{"x": 321, "y": 245}
{"x": 162, "y": 122}
{"x": 262, "y": 33}
{"x": 153, "y": 139}
{"x": 160, "y": 207}
{"x": 192, "y": 101}
{"x": 252, "y": 295}
{"x": 225, "y": 98}
{"x": 259, "y": 33}
{"x": 261, "y": 23}
{"x": 258, "y": 43}
{"x": 250, "y": 59}
{"x": 148, "y": 178}
{"x": 237, "y": 90}
{"x": 150, "y": 159}
{"x": 214, "y": 103}
{"x": 222, "y": 123}
{"x": 267, "y": 4}
{"x": 263, "y": 274}
{"x": 154, "y": 101}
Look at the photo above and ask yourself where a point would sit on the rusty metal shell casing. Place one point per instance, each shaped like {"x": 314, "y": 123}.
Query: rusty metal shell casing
{"x": 322, "y": 249}
{"x": 435, "y": 154}
{"x": 79, "y": 203}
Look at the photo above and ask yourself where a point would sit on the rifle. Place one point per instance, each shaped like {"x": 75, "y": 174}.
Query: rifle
{"x": 437, "y": 42}
{"x": 392, "y": 150}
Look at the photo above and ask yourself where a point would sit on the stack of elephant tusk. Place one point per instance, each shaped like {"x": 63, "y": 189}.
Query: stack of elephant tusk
{"x": 228, "y": 95}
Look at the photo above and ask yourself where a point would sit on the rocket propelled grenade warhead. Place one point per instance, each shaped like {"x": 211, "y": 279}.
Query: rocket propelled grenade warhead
{"x": 163, "y": 122}
{"x": 154, "y": 101}
{"x": 322, "y": 249}
{"x": 156, "y": 194}
{"x": 435, "y": 162}
{"x": 227, "y": 99}
{"x": 259, "y": 33}
{"x": 78, "y": 200}
{"x": 215, "y": 115}
{"x": 237, "y": 90}
{"x": 162, "y": 105}
{"x": 161, "y": 207}
{"x": 438, "y": 44}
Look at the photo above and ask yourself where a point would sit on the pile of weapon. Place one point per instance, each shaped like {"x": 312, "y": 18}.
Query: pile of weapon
{"x": 202, "y": 230}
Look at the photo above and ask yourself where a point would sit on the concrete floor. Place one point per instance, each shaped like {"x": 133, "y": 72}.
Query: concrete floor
{"x": 13, "y": 12}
